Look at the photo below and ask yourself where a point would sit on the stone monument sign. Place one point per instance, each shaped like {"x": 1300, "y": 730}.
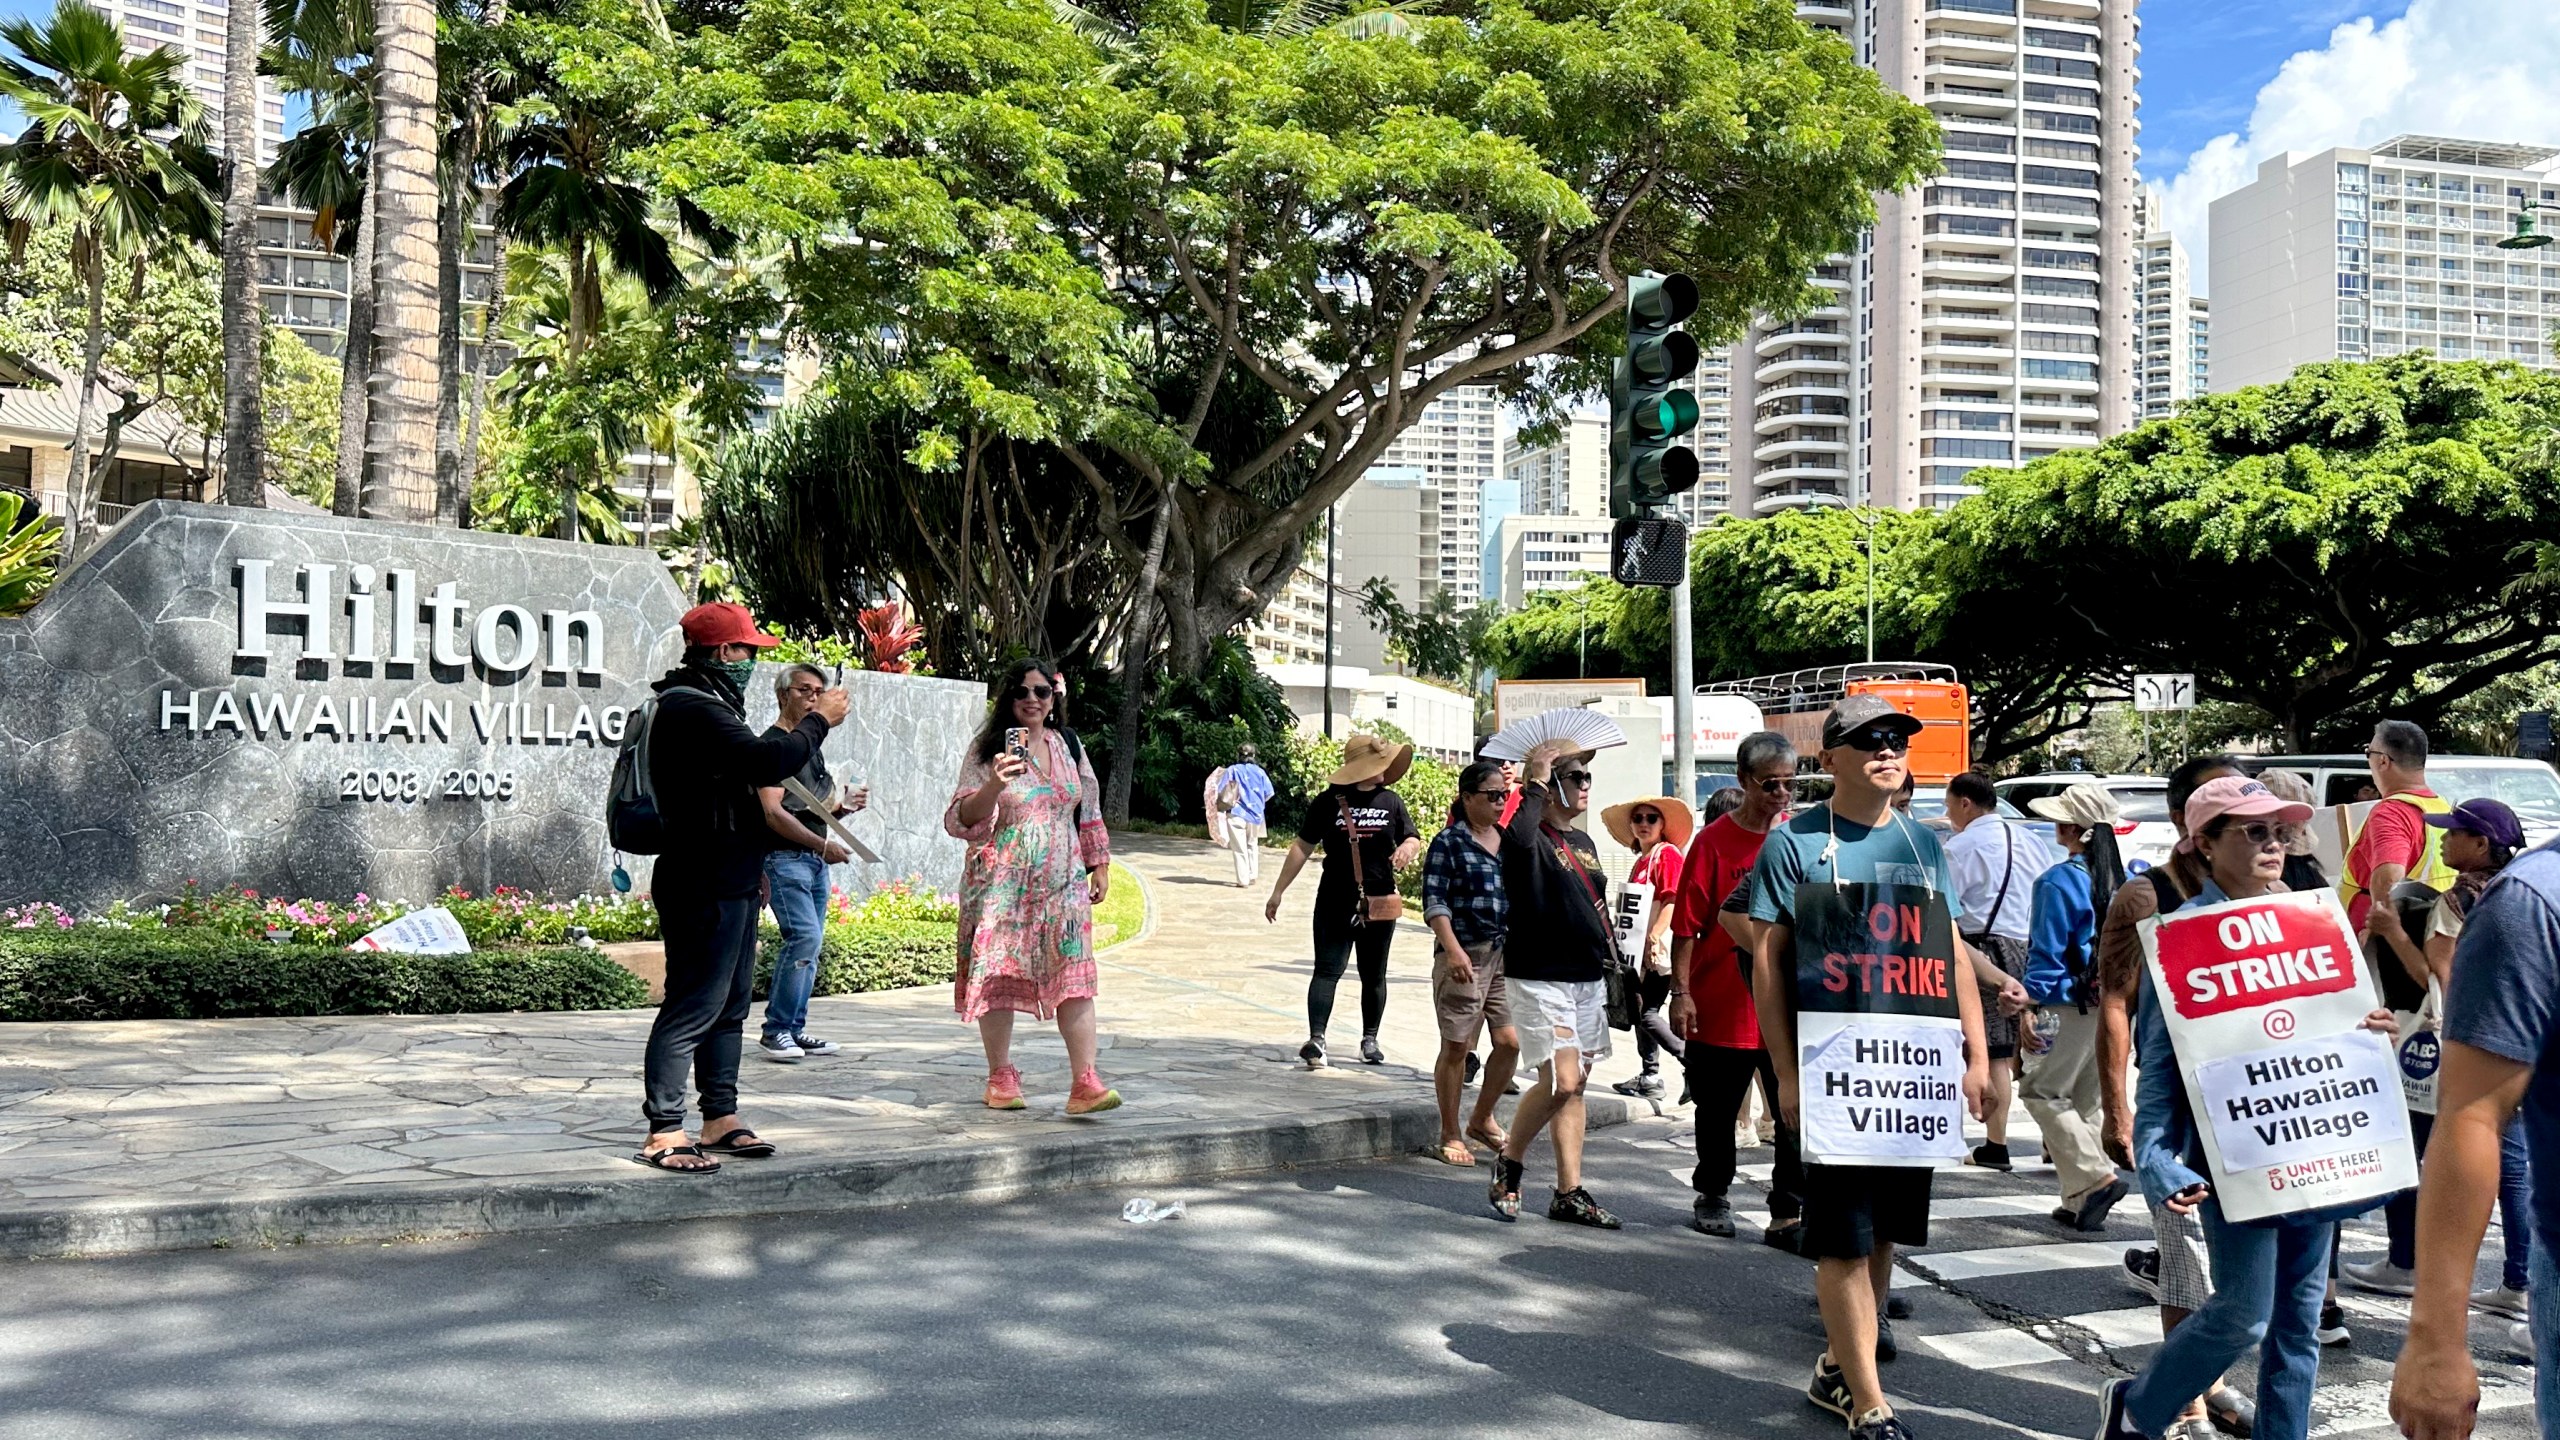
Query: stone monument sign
{"x": 319, "y": 707}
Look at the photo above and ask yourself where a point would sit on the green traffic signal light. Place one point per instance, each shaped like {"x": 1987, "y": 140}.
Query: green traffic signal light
{"x": 1649, "y": 409}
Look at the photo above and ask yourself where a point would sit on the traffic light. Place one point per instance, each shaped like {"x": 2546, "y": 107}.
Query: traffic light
{"x": 1648, "y": 550}
{"x": 1650, "y": 404}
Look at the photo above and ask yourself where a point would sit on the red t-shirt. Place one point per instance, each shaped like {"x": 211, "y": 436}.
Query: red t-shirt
{"x": 2393, "y": 834}
{"x": 1719, "y": 860}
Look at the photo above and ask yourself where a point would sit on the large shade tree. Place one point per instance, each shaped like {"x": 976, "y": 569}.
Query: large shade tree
{"x": 2343, "y": 545}
{"x": 1092, "y": 246}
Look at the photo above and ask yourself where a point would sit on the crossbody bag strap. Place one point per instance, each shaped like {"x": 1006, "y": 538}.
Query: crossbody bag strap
{"x": 2008, "y": 871}
{"x": 1573, "y": 858}
{"x": 1351, "y": 834}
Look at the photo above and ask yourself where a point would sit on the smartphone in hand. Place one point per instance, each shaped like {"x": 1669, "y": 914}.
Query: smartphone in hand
{"x": 1017, "y": 743}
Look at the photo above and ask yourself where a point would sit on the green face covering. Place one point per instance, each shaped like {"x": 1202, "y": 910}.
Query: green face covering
{"x": 739, "y": 671}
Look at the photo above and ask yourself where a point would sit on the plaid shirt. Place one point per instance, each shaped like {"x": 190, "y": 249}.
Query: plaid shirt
{"x": 1462, "y": 881}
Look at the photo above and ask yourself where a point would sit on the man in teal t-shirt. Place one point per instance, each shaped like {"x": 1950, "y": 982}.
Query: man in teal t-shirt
{"x": 1855, "y": 1214}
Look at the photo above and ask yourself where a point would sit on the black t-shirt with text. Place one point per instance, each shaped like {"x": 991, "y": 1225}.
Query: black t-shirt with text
{"x": 1384, "y": 824}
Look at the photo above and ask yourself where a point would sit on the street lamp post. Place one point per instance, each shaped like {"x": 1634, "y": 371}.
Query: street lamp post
{"x": 2526, "y": 237}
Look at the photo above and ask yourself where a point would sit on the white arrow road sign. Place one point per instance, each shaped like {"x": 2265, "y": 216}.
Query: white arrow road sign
{"x": 2164, "y": 692}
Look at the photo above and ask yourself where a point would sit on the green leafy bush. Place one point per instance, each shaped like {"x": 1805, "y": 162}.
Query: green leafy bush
{"x": 99, "y": 972}
{"x": 505, "y": 916}
{"x": 855, "y": 959}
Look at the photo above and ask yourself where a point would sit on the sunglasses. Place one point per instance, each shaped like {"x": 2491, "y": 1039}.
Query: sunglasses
{"x": 1775, "y": 785}
{"x": 1644, "y": 817}
{"x": 1877, "y": 739}
{"x": 1489, "y": 794}
{"x": 2258, "y": 833}
{"x": 1031, "y": 692}
{"x": 1575, "y": 777}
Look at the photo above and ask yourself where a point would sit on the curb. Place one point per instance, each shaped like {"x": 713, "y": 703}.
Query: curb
{"x": 1093, "y": 1157}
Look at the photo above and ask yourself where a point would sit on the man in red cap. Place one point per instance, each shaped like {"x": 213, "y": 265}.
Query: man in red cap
{"x": 706, "y": 765}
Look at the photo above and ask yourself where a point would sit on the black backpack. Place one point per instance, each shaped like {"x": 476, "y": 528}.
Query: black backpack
{"x": 631, "y": 819}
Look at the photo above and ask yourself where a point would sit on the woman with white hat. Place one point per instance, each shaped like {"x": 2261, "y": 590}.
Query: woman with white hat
{"x": 2060, "y": 1082}
{"x": 1367, "y": 836}
{"x": 1657, "y": 829}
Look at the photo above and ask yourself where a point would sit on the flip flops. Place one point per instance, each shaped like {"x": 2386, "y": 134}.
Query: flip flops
{"x": 657, "y": 1160}
{"x": 741, "y": 1143}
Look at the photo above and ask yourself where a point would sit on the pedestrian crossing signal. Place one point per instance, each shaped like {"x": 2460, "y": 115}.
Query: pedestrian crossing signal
{"x": 1648, "y": 550}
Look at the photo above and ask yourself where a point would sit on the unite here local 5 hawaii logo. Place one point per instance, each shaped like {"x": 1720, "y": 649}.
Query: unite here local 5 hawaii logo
{"x": 2245, "y": 959}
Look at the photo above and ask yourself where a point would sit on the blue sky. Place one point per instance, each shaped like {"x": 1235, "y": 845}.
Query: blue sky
{"x": 2204, "y": 61}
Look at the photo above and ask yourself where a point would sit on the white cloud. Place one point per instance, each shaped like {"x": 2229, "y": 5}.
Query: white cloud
{"x": 2468, "y": 69}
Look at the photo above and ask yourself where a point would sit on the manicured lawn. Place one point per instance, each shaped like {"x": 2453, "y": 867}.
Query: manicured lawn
{"x": 1122, "y": 913}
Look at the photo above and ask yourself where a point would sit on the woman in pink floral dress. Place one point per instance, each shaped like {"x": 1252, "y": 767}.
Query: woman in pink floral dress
{"x": 1039, "y": 861}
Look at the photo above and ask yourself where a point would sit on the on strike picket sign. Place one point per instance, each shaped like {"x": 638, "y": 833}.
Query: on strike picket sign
{"x": 1879, "y": 1040}
{"x": 1632, "y": 917}
{"x": 2300, "y": 1106}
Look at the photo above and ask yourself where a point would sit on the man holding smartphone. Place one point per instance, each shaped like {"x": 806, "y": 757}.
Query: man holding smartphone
{"x": 796, "y": 875}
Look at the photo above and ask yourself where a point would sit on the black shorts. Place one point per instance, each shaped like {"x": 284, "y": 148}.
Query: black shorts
{"x": 1850, "y": 1209}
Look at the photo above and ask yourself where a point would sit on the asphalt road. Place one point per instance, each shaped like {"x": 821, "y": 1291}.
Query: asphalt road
{"x": 1362, "y": 1301}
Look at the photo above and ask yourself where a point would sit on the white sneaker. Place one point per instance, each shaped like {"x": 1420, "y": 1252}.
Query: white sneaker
{"x": 2381, "y": 1277}
{"x": 2499, "y": 1300}
{"x": 780, "y": 1047}
{"x": 2518, "y": 1341}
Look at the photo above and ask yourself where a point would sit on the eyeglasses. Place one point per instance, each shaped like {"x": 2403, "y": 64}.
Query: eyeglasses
{"x": 808, "y": 689}
{"x": 1489, "y": 794}
{"x": 1775, "y": 784}
{"x": 1574, "y": 777}
{"x": 1031, "y": 692}
{"x": 1876, "y": 739}
{"x": 2259, "y": 834}
{"x": 1644, "y": 817}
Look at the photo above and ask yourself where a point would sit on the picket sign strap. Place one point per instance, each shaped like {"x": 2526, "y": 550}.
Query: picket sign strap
{"x": 2297, "y": 1105}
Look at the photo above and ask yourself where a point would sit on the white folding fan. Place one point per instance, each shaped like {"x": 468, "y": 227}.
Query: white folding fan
{"x": 1580, "y": 730}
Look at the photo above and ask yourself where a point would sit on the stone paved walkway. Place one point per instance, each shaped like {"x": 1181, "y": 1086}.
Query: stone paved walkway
{"x": 138, "y": 1135}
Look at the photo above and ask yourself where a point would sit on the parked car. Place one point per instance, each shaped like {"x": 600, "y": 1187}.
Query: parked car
{"x": 2143, "y": 836}
{"x": 2529, "y": 787}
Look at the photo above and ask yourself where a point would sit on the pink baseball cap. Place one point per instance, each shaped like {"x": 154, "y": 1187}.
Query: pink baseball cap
{"x": 2237, "y": 795}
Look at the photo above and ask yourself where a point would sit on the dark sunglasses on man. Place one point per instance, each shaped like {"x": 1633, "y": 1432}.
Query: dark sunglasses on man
{"x": 1575, "y": 778}
{"x": 1875, "y": 739}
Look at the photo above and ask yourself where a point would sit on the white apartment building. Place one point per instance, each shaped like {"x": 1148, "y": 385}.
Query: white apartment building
{"x": 196, "y": 27}
{"x": 2172, "y": 330}
{"x": 1455, "y": 450}
{"x": 1291, "y": 631}
{"x": 1989, "y": 316}
{"x": 1550, "y": 552}
{"x": 2353, "y": 254}
{"x": 2199, "y": 345}
{"x": 1569, "y": 476}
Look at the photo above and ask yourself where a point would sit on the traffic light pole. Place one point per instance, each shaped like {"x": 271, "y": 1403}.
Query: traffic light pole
{"x": 1684, "y": 697}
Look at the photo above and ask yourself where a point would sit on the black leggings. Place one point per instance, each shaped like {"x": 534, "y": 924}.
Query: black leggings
{"x": 1653, "y": 1030}
{"x": 1333, "y": 955}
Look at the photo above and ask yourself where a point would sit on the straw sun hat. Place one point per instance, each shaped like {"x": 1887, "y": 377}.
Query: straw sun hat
{"x": 1366, "y": 757}
{"x": 1678, "y": 822}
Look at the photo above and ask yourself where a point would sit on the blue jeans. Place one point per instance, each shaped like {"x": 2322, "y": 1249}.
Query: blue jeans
{"x": 2545, "y": 1310}
{"x": 799, "y": 879}
{"x": 2515, "y": 1206}
{"x": 2267, "y": 1287}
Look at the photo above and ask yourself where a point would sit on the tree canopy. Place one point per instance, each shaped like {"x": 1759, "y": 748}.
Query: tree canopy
{"x": 1019, "y": 234}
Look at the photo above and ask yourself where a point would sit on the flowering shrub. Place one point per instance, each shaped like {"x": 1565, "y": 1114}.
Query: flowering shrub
{"x": 509, "y": 916}
{"x": 36, "y": 915}
{"x": 900, "y": 902}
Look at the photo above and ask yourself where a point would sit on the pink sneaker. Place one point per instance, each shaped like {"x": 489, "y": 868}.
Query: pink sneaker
{"x": 1004, "y": 1089}
{"x": 1089, "y": 1097}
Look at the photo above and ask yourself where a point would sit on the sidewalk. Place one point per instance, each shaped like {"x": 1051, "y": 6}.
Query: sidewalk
{"x": 158, "y": 1135}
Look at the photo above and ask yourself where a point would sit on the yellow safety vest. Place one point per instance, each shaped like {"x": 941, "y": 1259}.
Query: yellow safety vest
{"x": 2431, "y": 869}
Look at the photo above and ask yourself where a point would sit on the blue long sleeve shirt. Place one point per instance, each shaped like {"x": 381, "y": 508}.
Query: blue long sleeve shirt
{"x": 2062, "y": 933}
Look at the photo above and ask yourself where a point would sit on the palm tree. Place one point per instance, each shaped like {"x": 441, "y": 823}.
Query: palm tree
{"x": 402, "y": 390}
{"x": 114, "y": 147}
{"x": 324, "y": 53}
{"x": 244, "y": 320}
{"x": 468, "y": 102}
